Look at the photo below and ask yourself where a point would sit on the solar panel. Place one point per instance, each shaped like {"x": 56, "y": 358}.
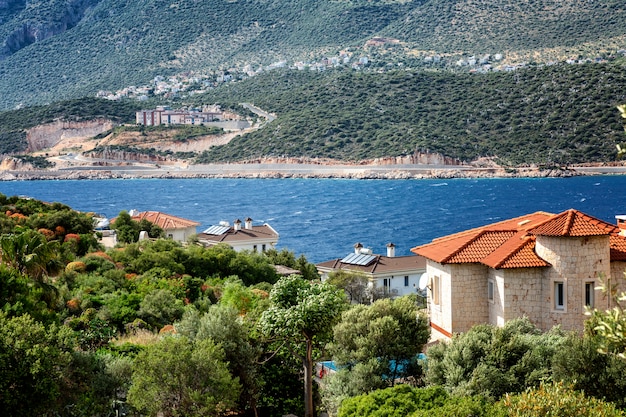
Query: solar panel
{"x": 217, "y": 230}
{"x": 358, "y": 259}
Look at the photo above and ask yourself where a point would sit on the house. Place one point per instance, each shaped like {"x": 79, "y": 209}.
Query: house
{"x": 394, "y": 275}
{"x": 175, "y": 228}
{"x": 250, "y": 237}
{"x": 543, "y": 266}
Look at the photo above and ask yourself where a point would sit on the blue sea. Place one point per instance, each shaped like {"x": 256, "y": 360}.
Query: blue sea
{"x": 324, "y": 218}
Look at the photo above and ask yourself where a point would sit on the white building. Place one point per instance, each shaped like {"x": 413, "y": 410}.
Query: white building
{"x": 250, "y": 237}
{"x": 394, "y": 275}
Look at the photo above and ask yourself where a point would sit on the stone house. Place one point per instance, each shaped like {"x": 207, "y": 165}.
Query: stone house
{"x": 394, "y": 275}
{"x": 543, "y": 266}
{"x": 250, "y": 237}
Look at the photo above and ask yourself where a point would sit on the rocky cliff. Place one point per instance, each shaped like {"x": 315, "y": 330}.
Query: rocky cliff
{"x": 40, "y": 20}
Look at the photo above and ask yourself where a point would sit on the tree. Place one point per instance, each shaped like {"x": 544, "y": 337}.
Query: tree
{"x": 125, "y": 228}
{"x": 375, "y": 346}
{"x": 353, "y": 283}
{"x": 398, "y": 401}
{"x": 33, "y": 360}
{"x": 610, "y": 325}
{"x": 302, "y": 314}
{"x": 30, "y": 253}
{"x": 177, "y": 377}
{"x": 621, "y": 149}
{"x": 491, "y": 361}
{"x": 224, "y": 326}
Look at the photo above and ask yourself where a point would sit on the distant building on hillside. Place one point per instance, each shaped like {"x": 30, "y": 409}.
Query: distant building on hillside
{"x": 163, "y": 115}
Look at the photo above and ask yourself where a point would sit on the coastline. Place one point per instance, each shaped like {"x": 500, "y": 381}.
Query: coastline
{"x": 301, "y": 170}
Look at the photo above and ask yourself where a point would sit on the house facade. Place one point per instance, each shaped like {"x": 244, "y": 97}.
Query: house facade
{"x": 543, "y": 266}
{"x": 394, "y": 276}
{"x": 175, "y": 228}
{"x": 249, "y": 237}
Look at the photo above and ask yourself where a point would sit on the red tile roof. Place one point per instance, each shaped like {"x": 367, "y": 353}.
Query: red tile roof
{"x": 165, "y": 221}
{"x": 511, "y": 243}
{"x": 573, "y": 223}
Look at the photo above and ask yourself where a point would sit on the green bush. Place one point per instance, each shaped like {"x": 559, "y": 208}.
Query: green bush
{"x": 556, "y": 400}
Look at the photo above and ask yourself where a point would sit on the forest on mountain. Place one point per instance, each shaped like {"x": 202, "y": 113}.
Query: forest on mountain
{"x": 560, "y": 114}
{"x": 62, "y": 49}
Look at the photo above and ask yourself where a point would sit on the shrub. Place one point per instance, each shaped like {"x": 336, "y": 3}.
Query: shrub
{"x": 556, "y": 400}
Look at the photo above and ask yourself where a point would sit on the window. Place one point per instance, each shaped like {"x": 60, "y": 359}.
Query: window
{"x": 490, "y": 290}
{"x": 436, "y": 290}
{"x": 263, "y": 247}
{"x": 559, "y": 295}
{"x": 254, "y": 249}
{"x": 589, "y": 293}
{"x": 406, "y": 280}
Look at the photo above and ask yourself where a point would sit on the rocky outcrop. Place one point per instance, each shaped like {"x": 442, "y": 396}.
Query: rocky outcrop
{"x": 118, "y": 155}
{"x": 14, "y": 164}
{"x": 48, "y": 135}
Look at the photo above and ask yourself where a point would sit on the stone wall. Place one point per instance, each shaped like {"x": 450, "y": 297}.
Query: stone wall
{"x": 469, "y": 296}
{"x": 522, "y": 294}
{"x": 574, "y": 260}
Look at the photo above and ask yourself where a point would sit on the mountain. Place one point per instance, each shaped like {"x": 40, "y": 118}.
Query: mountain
{"x": 557, "y": 114}
{"x": 61, "y": 49}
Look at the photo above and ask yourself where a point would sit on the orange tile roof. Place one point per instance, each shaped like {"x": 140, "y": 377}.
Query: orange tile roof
{"x": 165, "y": 221}
{"x": 511, "y": 243}
{"x": 573, "y": 223}
{"x": 618, "y": 247}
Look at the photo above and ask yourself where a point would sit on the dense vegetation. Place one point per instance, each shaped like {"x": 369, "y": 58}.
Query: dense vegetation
{"x": 157, "y": 328}
{"x": 558, "y": 114}
{"x": 61, "y": 49}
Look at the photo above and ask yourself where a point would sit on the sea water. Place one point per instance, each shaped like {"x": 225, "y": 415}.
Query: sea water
{"x": 324, "y": 218}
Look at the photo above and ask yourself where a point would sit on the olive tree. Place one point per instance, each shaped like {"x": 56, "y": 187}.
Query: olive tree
{"x": 177, "y": 377}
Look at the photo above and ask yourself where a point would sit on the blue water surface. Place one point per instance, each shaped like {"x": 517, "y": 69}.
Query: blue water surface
{"x": 324, "y": 218}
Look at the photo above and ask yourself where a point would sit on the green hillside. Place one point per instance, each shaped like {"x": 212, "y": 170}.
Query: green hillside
{"x": 555, "y": 114}
{"x": 59, "y": 49}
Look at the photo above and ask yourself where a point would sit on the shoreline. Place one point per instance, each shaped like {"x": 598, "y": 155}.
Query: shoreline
{"x": 294, "y": 170}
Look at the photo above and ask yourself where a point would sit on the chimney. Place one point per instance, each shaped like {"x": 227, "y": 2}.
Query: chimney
{"x": 391, "y": 250}
{"x": 248, "y": 223}
{"x": 358, "y": 247}
{"x": 621, "y": 223}
{"x": 237, "y": 225}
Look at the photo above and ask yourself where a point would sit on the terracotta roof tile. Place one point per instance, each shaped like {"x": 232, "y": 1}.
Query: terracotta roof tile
{"x": 480, "y": 246}
{"x": 165, "y": 221}
{"x": 573, "y": 223}
{"x": 618, "y": 247}
{"x": 517, "y": 252}
{"x": 511, "y": 243}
